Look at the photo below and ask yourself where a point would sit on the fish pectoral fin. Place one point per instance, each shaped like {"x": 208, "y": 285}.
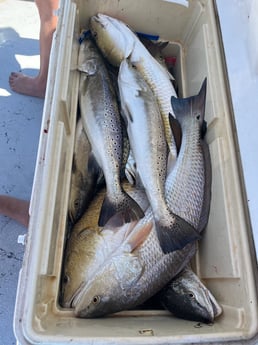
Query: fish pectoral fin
{"x": 176, "y": 236}
{"x": 139, "y": 236}
{"x": 124, "y": 211}
{"x": 176, "y": 130}
{"x": 111, "y": 226}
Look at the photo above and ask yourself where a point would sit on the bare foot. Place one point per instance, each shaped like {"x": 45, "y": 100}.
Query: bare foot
{"x": 30, "y": 86}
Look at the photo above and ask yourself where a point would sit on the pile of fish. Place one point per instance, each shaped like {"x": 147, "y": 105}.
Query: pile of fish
{"x": 130, "y": 242}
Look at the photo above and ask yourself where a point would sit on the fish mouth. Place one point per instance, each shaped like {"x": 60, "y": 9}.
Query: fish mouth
{"x": 75, "y": 297}
{"x": 212, "y": 309}
{"x": 216, "y": 308}
{"x": 208, "y": 310}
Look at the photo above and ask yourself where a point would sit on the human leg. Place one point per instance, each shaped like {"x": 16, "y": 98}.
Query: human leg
{"x": 14, "y": 208}
{"x": 36, "y": 86}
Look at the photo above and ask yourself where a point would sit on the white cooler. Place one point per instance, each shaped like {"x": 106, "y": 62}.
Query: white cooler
{"x": 225, "y": 260}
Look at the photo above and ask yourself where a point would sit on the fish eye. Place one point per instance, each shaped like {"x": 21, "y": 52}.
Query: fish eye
{"x": 191, "y": 295}
{"x": 65, "y": 279}
{"x": 76, "y": 203}
{"x": 95, "y": 299}
{"x": 94, "y": 34}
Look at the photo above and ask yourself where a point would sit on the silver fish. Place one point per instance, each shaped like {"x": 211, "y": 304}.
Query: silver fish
{"x": 188, "y": 298}
{"x": 191, "y": 177}
{"x": 148, "y": 144}
{"x": 83, "y": 181}
{"x": 118, "y": 42}
{"x": 134, "y": 273}
{"x": 102, "y": 123}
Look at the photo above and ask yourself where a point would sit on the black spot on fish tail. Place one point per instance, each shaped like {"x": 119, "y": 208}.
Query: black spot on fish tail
{"x": 127, "y": 210}
{"x": 176, "y": 130}
{"x": 194, "y": 105}
{"x": 177, "y": 235}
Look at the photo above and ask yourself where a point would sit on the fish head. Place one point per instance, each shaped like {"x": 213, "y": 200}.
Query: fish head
{"x": 109, "y": 290}
{"x": 89, "y": 58}
{"x": 113, "y": 37}
{"x": 188, "y": 298}
{"x": 77, "y": 267}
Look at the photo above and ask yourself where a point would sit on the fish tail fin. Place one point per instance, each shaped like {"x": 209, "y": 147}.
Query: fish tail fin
{"x": 126, "y": 211}
{"x": 176, "y": 235}
{"x": 194, "y": 105}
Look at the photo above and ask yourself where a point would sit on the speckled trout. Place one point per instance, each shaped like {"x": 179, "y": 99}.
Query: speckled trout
{"x": 102, "y": 123}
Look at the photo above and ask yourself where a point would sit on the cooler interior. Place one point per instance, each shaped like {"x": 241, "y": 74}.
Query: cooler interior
{"x": 224, "y": 260}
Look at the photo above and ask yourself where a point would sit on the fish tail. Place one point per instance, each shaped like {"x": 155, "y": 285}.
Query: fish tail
{"x": 195, "y": 105}
{"x": 177, "y": 235}
{"x": 119, "y": 213}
